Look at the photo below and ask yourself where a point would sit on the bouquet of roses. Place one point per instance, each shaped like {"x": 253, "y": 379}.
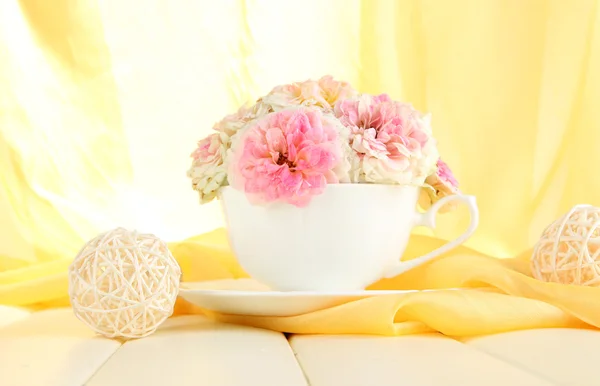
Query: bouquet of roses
{"x": 302, "y": 136}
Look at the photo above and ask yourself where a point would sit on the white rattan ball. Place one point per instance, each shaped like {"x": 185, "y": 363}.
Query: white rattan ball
{"x": 124, "y": 284}
{"x": 569, "y": 250}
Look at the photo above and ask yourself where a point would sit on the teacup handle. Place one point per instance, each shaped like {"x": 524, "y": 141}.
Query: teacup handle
{"x": 428, "y": 219}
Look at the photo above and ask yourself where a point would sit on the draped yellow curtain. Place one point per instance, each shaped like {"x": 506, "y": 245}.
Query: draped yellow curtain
{"x": 101, "y": 103}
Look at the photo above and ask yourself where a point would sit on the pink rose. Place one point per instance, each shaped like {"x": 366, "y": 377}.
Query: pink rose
{"x": 208, "y": 172}
{"x": 232, "y": 123}
{"x": 322, "y": 93}
{"x": 444, "y": 178}
{"x": 392, "y": 140}
{"x": 442, "y": 183}
{"x": 287, "y": 156}
{"x": 333, "y": 90}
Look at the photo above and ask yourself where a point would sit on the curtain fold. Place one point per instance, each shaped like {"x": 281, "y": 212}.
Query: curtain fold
{"x": 101, "y": 103}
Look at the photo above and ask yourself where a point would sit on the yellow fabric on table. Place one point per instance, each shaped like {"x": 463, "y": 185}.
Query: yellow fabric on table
{"x": 499, "y": 295}
{"x": 101, "y": 103}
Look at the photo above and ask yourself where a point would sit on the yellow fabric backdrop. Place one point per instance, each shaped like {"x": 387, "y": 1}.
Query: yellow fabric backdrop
{"x": 101, "y": 103}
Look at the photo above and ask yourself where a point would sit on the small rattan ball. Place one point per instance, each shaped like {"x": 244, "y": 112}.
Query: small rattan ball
{"x": 568, "y": 251}
{"x": 124, "y": 284}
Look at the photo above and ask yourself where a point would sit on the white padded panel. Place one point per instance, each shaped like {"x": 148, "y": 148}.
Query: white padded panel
{"x": 416, "y": 360}
{"x": 192, "y": 350}
{"x": 51, "y": 348}
{"x": 10, "y": 315}
{"x": 565, "y": 356}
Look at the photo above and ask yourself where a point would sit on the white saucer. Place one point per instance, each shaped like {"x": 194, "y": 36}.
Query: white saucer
{"x": 248, "y": 297}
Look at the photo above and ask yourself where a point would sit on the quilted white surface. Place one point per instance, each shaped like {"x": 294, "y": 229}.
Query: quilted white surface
{"x": 52, "y": 348}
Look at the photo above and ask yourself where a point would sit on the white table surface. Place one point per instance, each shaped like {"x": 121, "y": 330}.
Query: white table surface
{"x": 52, "y": 348}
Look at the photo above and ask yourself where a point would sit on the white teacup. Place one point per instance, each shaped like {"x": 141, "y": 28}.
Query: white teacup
{"x": 345, "y": 239}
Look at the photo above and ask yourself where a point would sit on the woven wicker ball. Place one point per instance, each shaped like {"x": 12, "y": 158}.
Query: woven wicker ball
{"x": 568, "y": 251}
{"x": 123, "y": 284}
